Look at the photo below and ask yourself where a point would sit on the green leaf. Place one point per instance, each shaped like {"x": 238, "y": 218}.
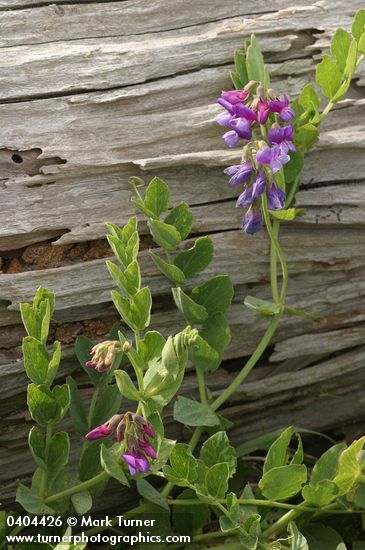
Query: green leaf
{"x": 137, "y": 312}
{"x": 31, "y": 321}
{"x": 139, "y": 204}
{"x": 308, "y": 97}
{"x": 193, "y": 312}
{"x": 129, "y": 281}
{"x": 157, "y": 197}
{"x": 236, "y": 80}
{"x": 108, "y": 405}
{"x": 151, "y": 346}
{"x": 217, "y": 449}
{"x": 327, "y": 465}
{"x": 77, "y": 408}
{"x": 110, "y": 461}
{"x": 215, "y": 295}
{"x": 36, "y": 360}
{"x": 172, "y": 272}
{"x": 186, "y": 518}
{"x": 216, "y": 332}
{"x": 279, "y": 451}
{"x": 193, "y": 413}
{"x": 283, "y": 482}
{"x": 183, "y": 469}
{"x": 263, "y": 307}
{"x": 305, "y": 137}
{"x": 181, "y": 218}
{"x": 328, "y": 76}
{"x": 287, "y": 215}
{"x": 358, "y": 25}
{"x": 216, "y": 480}
{"x": 349, "y": 468}
{"x": 164, "y": 235}
{"x": 125, "y": 253}
{"x": 294, "y": 167}
{"x": 351, "y": 59}
{"x": 147, "y": 491}
{"x": 195, "y": 259}
{"x": 141, "y": 308}
{"x": 44, "y": 295}
{"x": 297, "y": 540}
{"x": 90, "y": 466}
{"x": 54, "y": 363}
{"x": 126, "y": 386}
{"x": 83, "y": 347}
{"x": 31, "y": 502}
{"x": 340, "y": 47}
{"x": 321, "y": 537}
{"x": 36, "y": 446}
{"x": 61, "y": 395}
{"x": 58, "y": 455}
{"x": 42, "y": 405}
{"x": 321, "y": 494}
{"x": 82, "y": 502}
{"x": 255, "y": 62}
{"x": 361, "y": 45}
{"x": 203, "y": 356}
{"x": 240, "y": 66}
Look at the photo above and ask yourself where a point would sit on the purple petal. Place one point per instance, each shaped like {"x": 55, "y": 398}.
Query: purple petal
{"x": 231, "y": 170}
{"x": 224, "y": 119}
{"x": 90, "y": 364}
{"x": 245, "y": 112}
{"x": 226, "y": 105}
{"x": 245, "y": 199}
{"x": 275, "y": 197}
{"x": 99, "y": 432}
{"x": 148, "y": 449}
{"x": 240, "y": 175}
{"x": 252, "y": 222}
{"x": 235, "y": 96}
{"x": 242, "y": 127}
{"x": 265, "y": 156}
{"x": 258, "y": 186}
{"x": 287, "y": 114}
{"x": 231, "y": 138}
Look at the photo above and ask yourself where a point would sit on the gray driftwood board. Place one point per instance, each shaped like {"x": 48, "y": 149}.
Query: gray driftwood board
{"x": 93, "y": 92}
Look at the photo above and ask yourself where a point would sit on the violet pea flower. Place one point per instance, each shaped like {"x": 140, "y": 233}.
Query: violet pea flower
{"x": 252, "y": 222}
{"x": 239, "y": 172}
{"x": 273, "y": 156}
{"x": 136, "y": 462}
{"x": 235, "y": 96}
{"x": 99, "y": 432}
{"x": 283, "y": 137}
{"x": 275, "y": 197}
{"x": 282, "y": 107}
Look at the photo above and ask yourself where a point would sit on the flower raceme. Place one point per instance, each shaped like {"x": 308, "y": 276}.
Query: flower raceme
{"x": 262, "y": 157}
{"x": 134, "y": 431}
{"x": 104, "y": 354}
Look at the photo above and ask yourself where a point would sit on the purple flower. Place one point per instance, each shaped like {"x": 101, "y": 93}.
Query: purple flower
{"x": 245, "y": 199}
{"x": 104, "y": 353}
{"x": 226, "y": 105}
{"x": 252, "y": 222}
{"x": 224, "y": 119}
{"x": 263, "y": 110}
{"x": 277, "y": 105}
{"x": 282, "y": 136}
{"x": 136, "y": 462}
{"x": 275, "y": 197}
{"x": 252, "y": 192}
{"x": 100, "y": 431}
{"x": 258, "y": 185}
{"x": 235, "y": 96}
{"x": 245, "y": 112}
{"x": 148, "y": 449}
{"x": 239, "y": 172}
{"x": 273, "y": 156}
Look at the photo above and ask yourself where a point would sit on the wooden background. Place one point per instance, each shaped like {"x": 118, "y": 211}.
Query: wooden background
{"x": 94, "y": 92}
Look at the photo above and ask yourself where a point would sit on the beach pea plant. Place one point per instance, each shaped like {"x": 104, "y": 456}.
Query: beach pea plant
{"x": 198, "y": 488}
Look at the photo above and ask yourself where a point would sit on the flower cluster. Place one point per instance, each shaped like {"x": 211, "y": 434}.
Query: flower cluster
{"x": 134, "y": 430}
{"x": 265, "y": 154}
{"x": 104, "y": 353}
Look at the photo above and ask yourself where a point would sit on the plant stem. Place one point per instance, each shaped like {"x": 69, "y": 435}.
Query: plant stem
{"x": 201, "y": 384}
{"x": 43, "y": 487}
{"x": 246, "y": 502}
{"x": 273, "y": 264}
{"x": 78, "y": 488}
{"x": 290, "y": 196}
{"x": 276, "y": 244}
{"x": 282, "y": 522}
{"x": 265, "y": 340}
